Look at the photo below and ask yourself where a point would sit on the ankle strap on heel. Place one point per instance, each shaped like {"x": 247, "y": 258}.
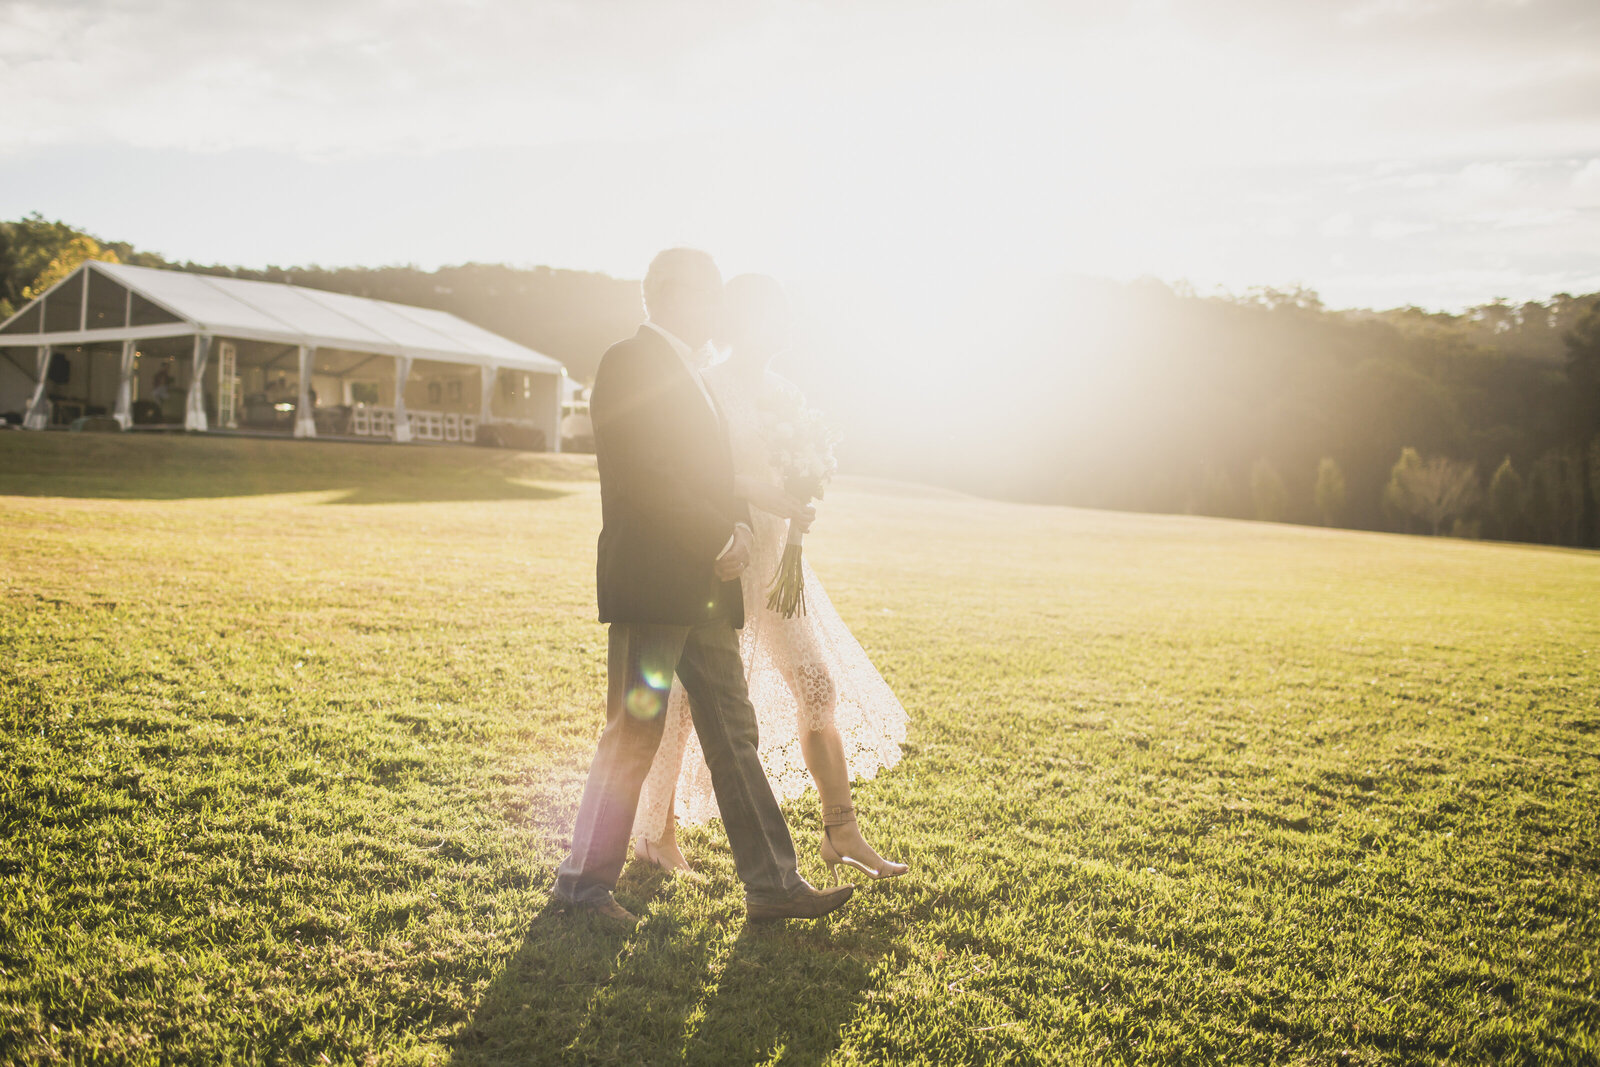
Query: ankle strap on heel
{"x": 840, "y": 815}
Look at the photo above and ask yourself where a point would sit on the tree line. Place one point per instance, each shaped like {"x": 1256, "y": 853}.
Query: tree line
{"x": 1147, "y": 397}
{"x": 1137, "y": 396}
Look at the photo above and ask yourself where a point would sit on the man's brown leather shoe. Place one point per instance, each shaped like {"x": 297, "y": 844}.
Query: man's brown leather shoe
{"x": 808, "y": 902}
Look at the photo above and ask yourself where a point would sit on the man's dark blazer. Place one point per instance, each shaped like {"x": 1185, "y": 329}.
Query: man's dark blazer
{"x": 667, "y": 501}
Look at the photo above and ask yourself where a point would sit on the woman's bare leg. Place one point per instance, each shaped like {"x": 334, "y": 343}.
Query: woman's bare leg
{"x": 665, "y": 847}
{"x": 664, "y": 851}
{"x": 823, "y": 750}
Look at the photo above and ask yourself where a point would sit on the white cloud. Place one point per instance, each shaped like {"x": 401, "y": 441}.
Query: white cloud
{"x": 1398, "y": 229}
{"x": 1586, "y": 183}
{"x": 1487, "y": 179}
{"x": 1338, "y": 224}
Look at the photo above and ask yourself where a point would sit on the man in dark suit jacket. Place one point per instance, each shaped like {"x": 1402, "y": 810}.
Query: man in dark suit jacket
{"x": 674, "y": 543}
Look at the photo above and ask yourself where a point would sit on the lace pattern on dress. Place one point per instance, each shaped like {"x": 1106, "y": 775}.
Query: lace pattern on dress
{"x": 812, "y": 686}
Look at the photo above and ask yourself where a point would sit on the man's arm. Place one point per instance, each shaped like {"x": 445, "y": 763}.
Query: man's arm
{"x": 626, "y": 409}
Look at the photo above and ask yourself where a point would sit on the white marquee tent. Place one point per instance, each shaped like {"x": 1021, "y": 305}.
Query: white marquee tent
{"x": 244, "y": 332}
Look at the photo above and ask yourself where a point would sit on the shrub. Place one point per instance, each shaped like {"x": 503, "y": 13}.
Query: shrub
{"x": 1330, "y": 493}
{"x": 1267, "y": 492}
{"x": 1507, "y": 499}
{"x": 1217, "y": 496}
{"x": 1555, "y": 497}
{"x": 1397, "y": 502}
{"x": 1434, "y": 490}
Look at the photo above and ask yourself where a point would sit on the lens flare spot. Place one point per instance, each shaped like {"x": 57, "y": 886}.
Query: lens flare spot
{"x": 656, "y": 679}
{"x": 644, "y": 702}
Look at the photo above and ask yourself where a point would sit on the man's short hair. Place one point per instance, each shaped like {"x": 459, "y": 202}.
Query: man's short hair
{"x": 688, "y": 267}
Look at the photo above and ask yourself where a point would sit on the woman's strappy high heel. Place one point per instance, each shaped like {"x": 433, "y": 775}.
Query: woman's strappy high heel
{"x": 845, "y": 815}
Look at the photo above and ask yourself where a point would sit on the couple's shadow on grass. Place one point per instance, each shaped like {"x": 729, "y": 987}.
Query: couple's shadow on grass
{"x": 695, "y": 983}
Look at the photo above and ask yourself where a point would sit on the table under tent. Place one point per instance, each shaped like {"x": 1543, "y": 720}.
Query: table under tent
{"x": 162, "y": 349}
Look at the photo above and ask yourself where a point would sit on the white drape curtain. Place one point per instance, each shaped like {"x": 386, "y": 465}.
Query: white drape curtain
{"x": 194, "y": 412}
{"x": 402, "y": 422}
{"x": 561, "y": 398}
{"x": 38, "y": 416}
{"x": 490, "y": 375}
{"x": 305, "y": 424}
{"x": 124, "y": 412}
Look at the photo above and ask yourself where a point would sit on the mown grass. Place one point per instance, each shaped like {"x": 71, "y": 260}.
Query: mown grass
{"x": 293, "y": 734}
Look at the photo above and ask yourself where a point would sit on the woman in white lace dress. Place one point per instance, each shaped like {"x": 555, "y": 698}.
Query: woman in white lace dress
{"x": 825, "y": 712}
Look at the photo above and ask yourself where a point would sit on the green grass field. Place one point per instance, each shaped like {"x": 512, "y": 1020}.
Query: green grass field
{"x": 291, "y": 735}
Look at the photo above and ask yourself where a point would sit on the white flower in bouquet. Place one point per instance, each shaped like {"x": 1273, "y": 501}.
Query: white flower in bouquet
{"x": 802, "y": 452}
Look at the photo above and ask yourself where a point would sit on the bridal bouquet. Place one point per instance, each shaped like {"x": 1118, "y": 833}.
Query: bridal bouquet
{"x": 801, "y": 443}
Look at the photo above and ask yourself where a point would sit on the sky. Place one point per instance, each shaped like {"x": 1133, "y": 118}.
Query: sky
{"x": 908, "y": 160}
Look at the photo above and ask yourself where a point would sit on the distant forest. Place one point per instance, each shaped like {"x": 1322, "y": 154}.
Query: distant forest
{"x": 1267, "y": 405}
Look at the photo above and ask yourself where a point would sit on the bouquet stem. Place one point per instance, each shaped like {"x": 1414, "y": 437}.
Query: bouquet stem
{"x": 788, "y": 593}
